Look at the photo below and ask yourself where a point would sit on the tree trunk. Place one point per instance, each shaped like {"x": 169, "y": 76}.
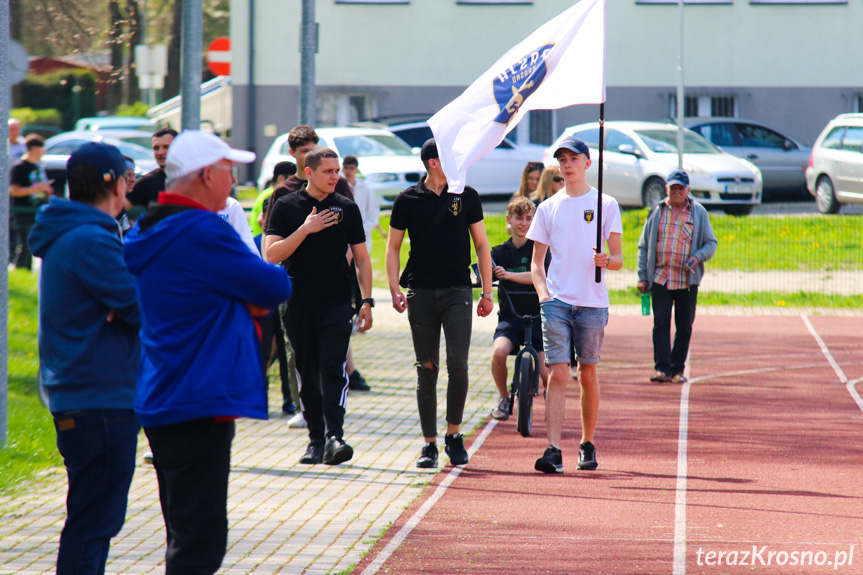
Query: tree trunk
{"x": 135, "y": 19}
{"x": 115, "y": 41}
{"x": 172, "y": 80}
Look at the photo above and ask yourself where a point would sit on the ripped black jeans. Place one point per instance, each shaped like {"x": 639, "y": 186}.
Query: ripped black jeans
{"x": 428, "y": 311}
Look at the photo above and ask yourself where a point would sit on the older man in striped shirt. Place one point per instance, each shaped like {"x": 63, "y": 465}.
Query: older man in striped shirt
{"x": 676, "y": 241}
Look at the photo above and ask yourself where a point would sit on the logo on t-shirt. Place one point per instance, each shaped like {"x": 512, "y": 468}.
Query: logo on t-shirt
{"x": 588, "y": 216}
{"x": 455, "y": 205}
{"x": 340, "y": 215}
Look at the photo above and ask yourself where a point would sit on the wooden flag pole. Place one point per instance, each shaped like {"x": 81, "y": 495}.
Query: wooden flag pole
{"x": 599, "y": 189}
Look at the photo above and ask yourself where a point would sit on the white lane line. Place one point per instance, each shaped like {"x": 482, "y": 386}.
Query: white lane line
{"x": 679, "y": 565}
{"x": 849, "y": 385}
{"x": 411, "y": 523}
{"x": 824, "y": 350}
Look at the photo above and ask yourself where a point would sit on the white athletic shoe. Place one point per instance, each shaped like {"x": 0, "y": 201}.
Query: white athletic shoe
{"x": 297, "y": 421}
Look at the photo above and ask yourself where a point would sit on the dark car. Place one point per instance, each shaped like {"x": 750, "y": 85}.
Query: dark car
{"x": 781, "y": 159}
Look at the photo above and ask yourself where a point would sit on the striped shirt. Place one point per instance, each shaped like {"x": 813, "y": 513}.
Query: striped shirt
{"x": 673, "y": 246}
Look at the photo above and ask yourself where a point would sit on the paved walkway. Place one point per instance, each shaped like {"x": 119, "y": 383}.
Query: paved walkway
{"x": 284, "y": 517}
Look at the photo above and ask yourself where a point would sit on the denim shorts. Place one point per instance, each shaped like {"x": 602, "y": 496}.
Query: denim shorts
{"x": 564, "y": 324}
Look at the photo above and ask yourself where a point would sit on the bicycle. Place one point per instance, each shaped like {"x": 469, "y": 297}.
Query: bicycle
{"x": 525, "y": 377}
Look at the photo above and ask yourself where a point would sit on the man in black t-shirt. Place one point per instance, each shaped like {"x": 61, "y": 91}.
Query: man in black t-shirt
{"x": 441, "y": 226}
{"x": 309, "y": 231}
{"x": 29, "y": 187}
{"x": 511, "y": 261}
{"x": 147, "y": 188}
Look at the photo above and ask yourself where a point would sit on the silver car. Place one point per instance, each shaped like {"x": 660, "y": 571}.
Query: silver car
{"x": 781, "y": 159}
{"x": 639, "y": 155}
{"x": 835, "y": 172}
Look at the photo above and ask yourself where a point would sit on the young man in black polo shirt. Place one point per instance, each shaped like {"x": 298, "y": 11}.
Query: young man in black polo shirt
{"x": 437, "y": 276}
{"x": 146, "y": 189}
{"x": 310, "y": 231}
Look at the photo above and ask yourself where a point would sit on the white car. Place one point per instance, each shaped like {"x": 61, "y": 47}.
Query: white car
{"x": 499, "y": 172}
{"x": 387, "y": 163}
{"x": 835, "y": 172}
{"x": 639, "y": 155}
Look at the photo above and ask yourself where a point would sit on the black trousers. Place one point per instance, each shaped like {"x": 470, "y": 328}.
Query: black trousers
{"x": 320, "y": 338}
{"x": 192, "y": 461}
{"x": 19, "y": 247}
{"x": 667, "y": 359}
{"x": 271, "y": 329}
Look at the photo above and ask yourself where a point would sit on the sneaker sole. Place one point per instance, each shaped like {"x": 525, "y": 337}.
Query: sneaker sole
{"x": 503, "y": 417}
{"x": 547, "y": 466}
{"x": 310, "y": 461}
{"x": 339, "y": 457}
{"x": 458, "y": 461}
{"x": 588, "y": 466}
{"x": 427, "y": 465}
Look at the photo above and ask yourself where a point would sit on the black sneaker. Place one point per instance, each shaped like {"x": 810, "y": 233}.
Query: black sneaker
{"x": 454, "y": 447}
{"x": 337, "y": 451}
{"x": 357, "y": 382}
{"x": 428, "y": 456}
{"x": 288, "y": 408}
{"x": 587, "y": 456}
{"x": 314, "y": 454}
{"x": 551, "y": 461}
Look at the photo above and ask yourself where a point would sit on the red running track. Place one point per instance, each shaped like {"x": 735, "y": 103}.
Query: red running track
{"x": 770, "y": 463}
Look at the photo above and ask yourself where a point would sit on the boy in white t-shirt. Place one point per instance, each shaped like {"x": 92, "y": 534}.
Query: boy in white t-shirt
{"x": 574, "y": 307}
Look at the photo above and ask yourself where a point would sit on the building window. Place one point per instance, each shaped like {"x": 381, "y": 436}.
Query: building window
{"x": 702, "y": 106}
{"x": 372, "y": 1}
{"x": 798, "y": 1}
{"x": 528, "y": 2}
{"x": 541, "y": 127}
{"x": 344, "y": 109}
{"x": 684, "y": 1}
{"x": 859, "y": 102}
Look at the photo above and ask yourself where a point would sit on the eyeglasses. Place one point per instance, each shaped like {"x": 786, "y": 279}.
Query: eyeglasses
{"x": 558, "y": 179}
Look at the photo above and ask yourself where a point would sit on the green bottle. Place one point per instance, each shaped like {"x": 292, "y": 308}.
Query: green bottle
{"x": 645, "y": 303}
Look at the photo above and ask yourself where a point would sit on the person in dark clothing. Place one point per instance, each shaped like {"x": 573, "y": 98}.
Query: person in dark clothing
{"x": 146, "y": 189}
{"x": 441, "y": 226}
{"x": 511, "y": 261}
{"x": 29, "y": 187}
{"x": 310, "y": 231}
{"x": 89, "y": 352}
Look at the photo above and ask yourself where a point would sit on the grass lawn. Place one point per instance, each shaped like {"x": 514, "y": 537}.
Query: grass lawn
{"x": 751, "y": 243}
{"x": 31, "y": 442}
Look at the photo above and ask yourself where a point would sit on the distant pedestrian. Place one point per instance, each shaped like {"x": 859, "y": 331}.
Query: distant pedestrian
{"x": 364, "y": 197}
{"x": 550, "y": 182}
{"x": 529, "y": 179}
{"x": 281, "y": 172}
{"x": 574, "y": 307}
{"x": 89, "y": 352}
{"x": 199, "y": 289}
{"x": 676, "y": 241}
{"x": 29, "y": 188}
{"x": 311, "y": 230}
{"x": 16, "y": 146}
{"x": 147, "y": 187}
{"x": 441, "y": 226}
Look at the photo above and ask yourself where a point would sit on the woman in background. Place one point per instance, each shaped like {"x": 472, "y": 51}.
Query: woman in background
{"x": 550, "y": 182}
{"x": 529, "y": 179}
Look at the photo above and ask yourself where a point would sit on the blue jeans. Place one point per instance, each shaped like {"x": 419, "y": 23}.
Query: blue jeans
{"x": 566, "y": 327}
{"x": 98, "y": 448}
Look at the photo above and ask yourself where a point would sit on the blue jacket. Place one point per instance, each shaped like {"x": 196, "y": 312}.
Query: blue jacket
{"x": 86, "y": 361}
{"x": 201, "y": 355}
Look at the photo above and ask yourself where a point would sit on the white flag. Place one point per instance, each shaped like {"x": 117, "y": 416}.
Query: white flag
{"x": 561, "y": 64}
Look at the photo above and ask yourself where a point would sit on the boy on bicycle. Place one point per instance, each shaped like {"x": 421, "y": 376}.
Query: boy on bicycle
{"x": 511, "y": 261}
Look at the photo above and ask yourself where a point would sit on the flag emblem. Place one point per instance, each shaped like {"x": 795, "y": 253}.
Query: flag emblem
{"x": 588, "y": 216}
{"x": 455, "y": 206}
{"x": 518, "y": 81}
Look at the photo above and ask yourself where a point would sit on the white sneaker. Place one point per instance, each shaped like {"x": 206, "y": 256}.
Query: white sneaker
{"x": 148, "y": 457}
{"x": 297, "y": 421}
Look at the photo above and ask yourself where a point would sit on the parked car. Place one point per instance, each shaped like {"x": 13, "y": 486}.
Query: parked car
{"x": 639, "y": 155}
{"x": 387, "y": 163}
{"x": 781, "y": 159}
{"x": 60, "y": 147}
{"x": 498, "y": 172}
{"x": 115, "y": 123}
{"x": 835, "y": 172}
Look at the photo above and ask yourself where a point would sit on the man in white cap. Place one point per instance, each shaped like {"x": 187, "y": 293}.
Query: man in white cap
{"x": 199, "y": 290}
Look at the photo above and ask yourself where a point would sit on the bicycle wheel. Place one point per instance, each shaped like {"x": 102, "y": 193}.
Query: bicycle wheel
{"x": 526, "y": 374}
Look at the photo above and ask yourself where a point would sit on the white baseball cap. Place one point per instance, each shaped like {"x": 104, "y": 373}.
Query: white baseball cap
{"x": 194, "y": 150}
